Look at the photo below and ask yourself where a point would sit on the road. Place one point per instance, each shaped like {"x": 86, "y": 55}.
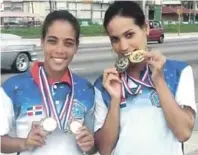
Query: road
{"x": 91, "y": 60}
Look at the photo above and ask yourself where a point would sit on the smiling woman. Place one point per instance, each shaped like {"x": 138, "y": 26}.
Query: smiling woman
{"x": 60, "y": 40}
{"x": 49, "y": 98}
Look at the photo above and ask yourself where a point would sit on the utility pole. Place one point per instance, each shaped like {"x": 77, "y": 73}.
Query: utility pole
{"x": 194, "y": 12}
{"x": 50, "y": 5}
{"x": 144, "y": 6}
{"x": 32, "y": 5}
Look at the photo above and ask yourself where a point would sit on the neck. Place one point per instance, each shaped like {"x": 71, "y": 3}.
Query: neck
{"x": 55, "y": 75}
{"x": 134, "y": 70}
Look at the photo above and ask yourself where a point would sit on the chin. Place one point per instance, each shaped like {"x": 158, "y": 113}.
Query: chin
{"x": 132, "y": 65}
{"x": 58, "y": 68}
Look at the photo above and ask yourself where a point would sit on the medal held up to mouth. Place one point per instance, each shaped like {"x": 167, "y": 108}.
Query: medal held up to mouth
{"x": 137, "y": 56}
{"x": 122, "y": 63}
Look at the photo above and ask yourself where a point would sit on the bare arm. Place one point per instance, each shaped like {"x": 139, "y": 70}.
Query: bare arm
{"x": 106, "y": 137}
{"x": 180, "y": 120}
{"x": 11, "y": 145}
{"x": 35, "y": 138}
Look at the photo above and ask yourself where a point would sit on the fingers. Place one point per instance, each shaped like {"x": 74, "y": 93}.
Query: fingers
{"x": 86, "y": 144}
{"x": 38, "y": 130}
{"x": 39, "y": 141}
{"x": 151, "y": 62}
{"x": 34, "y": 140}
{"x": 109, "y": 71}
{"x": 84, "y": 135}
{"x": 155, "y": 55}
{"x": 35, "y": 124}
{"x": 112, "y": 77}
{"x": 36, "y": 137}
{"x": 110, "y": 74}
{"x": 82, "y": 132}
{"x": 85, "y": 139}
{"x": 151, "y": 56}
{"x": 34, "y": 143}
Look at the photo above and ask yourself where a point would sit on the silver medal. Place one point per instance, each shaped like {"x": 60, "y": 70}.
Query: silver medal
{"x": 48, "y": 124}
{"x": 74, "y": 126}
{"x": 122, "y": 64}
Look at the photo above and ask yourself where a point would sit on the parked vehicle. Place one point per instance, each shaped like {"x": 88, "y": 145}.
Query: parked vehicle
{"x": 156, "y": 32}
{"x": 16, "y": 53}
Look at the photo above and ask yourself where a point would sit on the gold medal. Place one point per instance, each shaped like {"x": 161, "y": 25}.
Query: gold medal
{"x": 122, "y": 64}
{"x": 137, "y": 56}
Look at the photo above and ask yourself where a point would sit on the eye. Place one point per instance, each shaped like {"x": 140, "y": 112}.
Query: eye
{"x": 69, "y": 44}
{"x": 114, "y": 39}
{"x": 51, "y": 41}
{"x": 129, "y": 35}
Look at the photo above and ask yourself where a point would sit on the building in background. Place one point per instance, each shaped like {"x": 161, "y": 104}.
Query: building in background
{"x": 188, "y": 11}
{"x": 92, "y": 11}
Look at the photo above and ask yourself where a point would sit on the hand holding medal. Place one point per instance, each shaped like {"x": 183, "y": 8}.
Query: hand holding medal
{"x": 156, "y": 62}
{"x": 85, "y": 139}
{"x": 35, "y": 138}
{"x": 112, "y": 82}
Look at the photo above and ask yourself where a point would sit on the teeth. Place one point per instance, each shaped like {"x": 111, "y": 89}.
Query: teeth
{"x": 57, "y": 60}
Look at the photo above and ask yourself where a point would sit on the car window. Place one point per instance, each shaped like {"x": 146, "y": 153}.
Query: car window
{"x": 150, "y": 24}
{"x": 156, "y": 24}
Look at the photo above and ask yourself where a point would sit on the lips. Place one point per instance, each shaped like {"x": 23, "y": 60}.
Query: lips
{"x": 58, "y": 60}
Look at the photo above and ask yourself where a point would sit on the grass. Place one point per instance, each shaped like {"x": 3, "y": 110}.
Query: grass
{"x": 183, "y": 28}
{"x": 32, "y": 32}
{"x": 94, "y": 30}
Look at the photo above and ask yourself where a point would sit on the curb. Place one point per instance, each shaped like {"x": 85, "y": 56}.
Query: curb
{"x": 181, "y": 37}
{"x": 105, "y": 39}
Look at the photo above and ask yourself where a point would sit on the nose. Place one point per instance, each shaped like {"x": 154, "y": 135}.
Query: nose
{"x": 123, "y": 46}
{"x": 60, "y": 49}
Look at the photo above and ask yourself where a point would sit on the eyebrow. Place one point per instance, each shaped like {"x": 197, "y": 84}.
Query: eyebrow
{"x": 127, "y": 31}
{"x": 122, "y": 34}
{"x": 67, "y": 39}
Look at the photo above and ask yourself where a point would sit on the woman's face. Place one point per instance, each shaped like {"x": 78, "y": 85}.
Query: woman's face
{"x": 59, "y": 45}
{"x": 125, "y": 35}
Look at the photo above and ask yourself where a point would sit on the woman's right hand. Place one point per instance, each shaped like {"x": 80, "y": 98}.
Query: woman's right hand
{"x": 35, "y": 138}
{"x": 112, "y": 83}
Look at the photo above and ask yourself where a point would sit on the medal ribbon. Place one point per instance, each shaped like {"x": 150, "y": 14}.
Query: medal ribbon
{"x": 142, "y": 82}
{"x": 49, "y": 104}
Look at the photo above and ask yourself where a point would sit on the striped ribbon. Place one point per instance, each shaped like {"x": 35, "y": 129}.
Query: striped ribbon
{"x": 126, "y": 87}
{"x": 49, "y": 105}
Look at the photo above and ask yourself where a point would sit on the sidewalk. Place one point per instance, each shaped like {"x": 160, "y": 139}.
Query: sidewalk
{"x": 168, "y": 36}
{"x": 105, "y": 39}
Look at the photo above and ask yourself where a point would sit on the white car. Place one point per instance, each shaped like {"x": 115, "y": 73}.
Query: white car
{"x": 16, "y": 53}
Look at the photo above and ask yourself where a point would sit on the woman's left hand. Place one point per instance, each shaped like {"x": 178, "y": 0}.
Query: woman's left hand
{"x": 156, "y": 62}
